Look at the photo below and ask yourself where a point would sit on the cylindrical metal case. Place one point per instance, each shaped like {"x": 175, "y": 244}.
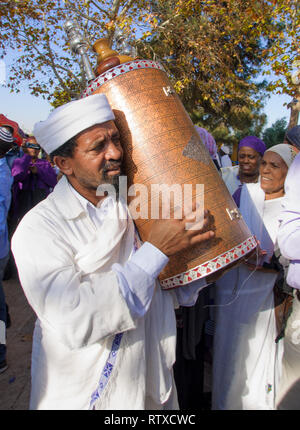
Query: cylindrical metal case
{"x": 162, "y": 147}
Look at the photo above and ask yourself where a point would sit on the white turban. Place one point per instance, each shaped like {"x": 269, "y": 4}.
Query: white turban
{"x": 287, "y": 152}
{"x": 70, "y": 119}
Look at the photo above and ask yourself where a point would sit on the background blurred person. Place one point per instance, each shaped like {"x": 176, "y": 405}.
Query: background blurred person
{"x": 292, "y": 137}
{"x": 34, "y": 179}
{"x": 224, "y": 156}
{"x": 210, "y": 143}
{"x": 250, "y": 152}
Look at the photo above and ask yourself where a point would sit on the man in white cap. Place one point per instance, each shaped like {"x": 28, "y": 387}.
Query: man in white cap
{"x": 6, "y": 180}
{"x": 224, "y": 156}
{"x": 105, "y": 335}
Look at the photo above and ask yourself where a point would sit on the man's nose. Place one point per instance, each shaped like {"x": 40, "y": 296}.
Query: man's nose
{"x": 113, "y": 151}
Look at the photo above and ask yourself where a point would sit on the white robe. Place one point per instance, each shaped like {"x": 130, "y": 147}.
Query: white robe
{"x": 246, "y": 366}
{"x": 226, "y": 161}
{"x": 230, "y": 177}
{"x": 64, "y": 266}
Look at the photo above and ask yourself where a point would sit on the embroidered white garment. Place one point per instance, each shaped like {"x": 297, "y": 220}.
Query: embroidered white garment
{"x": 64, "y": 264}
{"x": 246, "y": 366}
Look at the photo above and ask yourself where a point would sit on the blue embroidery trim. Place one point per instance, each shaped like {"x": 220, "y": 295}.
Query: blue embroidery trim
{"x": 108, "y": 368}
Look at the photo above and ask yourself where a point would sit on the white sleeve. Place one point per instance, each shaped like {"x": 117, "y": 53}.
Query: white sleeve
{"x": 137, "y": 277}
{"x": 80, "y": 308}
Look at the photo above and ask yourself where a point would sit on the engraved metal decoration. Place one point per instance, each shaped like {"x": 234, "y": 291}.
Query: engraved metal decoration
{"x": 168, "y": 91}
{"x": 197, "y": 151}
{"x": 233, "y": 213}
{"x": 122, "y": 44}
{"x": 79, "y": 46}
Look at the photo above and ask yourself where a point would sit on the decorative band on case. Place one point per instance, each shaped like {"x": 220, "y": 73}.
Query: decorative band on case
{"x": 211, "y": 266}
{"x": 120, "y": 70}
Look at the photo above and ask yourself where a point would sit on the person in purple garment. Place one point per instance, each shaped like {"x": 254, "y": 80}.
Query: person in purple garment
{"x": 289, "y": 244}
{"x": 250, "y": 152}
{"x": 34, "y": 179}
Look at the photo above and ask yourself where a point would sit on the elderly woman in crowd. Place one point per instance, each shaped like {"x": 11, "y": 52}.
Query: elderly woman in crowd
{"x": 250, "y": 152}
{"x": 247, "y": 359}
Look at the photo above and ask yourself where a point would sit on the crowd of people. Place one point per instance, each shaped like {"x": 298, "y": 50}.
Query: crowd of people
{"x": 106, "y": 335}
{"x": 25, "y": 180}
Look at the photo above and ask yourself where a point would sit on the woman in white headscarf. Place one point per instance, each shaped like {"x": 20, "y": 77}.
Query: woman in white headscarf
{"x": 246, "y": 365}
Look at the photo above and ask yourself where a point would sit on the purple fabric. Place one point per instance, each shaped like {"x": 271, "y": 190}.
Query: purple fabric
{"x": 208, "y": 141}
{"x": 24, "y": 180}
{"x": 293, "y": 136}
{"x": 253, "y": 142}
{"x": 237, "y": 195}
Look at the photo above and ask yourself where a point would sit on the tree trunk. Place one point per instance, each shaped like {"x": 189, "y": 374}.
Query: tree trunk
{"x": 295, "y": 109}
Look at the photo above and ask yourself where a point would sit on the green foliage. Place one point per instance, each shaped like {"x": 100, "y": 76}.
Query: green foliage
{"x": 275, "y": 134}
{"x": 212, "y": 50}
{"x": 43, "y": 59}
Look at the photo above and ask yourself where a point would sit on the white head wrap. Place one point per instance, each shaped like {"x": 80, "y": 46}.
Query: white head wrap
{"x": 225, "y": 149}
{"x": 70, "y": 119}
{"x": 287, "y": 152}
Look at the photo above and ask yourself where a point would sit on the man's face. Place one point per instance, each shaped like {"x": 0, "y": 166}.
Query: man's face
{"x": 34, "y": 153}
{"x": 97, "y": 158}
{"x": 249, "y": 161}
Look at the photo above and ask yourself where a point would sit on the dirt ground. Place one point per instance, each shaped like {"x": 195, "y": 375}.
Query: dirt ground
{"x": 15, "y": 381}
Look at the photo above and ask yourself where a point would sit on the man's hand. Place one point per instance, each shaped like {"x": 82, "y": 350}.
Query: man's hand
{"x": 171, "y": 235}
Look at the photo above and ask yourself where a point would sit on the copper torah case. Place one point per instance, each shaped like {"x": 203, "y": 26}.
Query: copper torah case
{"x": 162, "y": 146}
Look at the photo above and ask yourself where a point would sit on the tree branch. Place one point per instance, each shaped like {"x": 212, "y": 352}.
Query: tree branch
{"x": 100, "y": 8}
{"x": 126, "y": 8}
{"x": 115, "y": 9}
{"x": 52, "y": 62}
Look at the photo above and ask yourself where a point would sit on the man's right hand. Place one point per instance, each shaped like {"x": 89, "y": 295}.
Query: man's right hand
{"x": 171, "y": 236}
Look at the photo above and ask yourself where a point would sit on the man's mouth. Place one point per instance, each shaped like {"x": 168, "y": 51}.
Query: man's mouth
{"x": 113, "y": 171}
{"x": 266, "y": 179}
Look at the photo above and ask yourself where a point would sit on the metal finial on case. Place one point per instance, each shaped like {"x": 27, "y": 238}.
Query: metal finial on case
{"x": 79, "y": 46}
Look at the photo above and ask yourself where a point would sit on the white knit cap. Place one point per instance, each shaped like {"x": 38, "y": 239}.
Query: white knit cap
{"x": 70, "y": 119}
{"x": 287, "y": 152}
{"x": 6, "y": 135}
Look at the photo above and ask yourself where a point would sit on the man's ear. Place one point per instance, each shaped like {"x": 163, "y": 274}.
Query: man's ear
{"x": 64, "y": 164}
